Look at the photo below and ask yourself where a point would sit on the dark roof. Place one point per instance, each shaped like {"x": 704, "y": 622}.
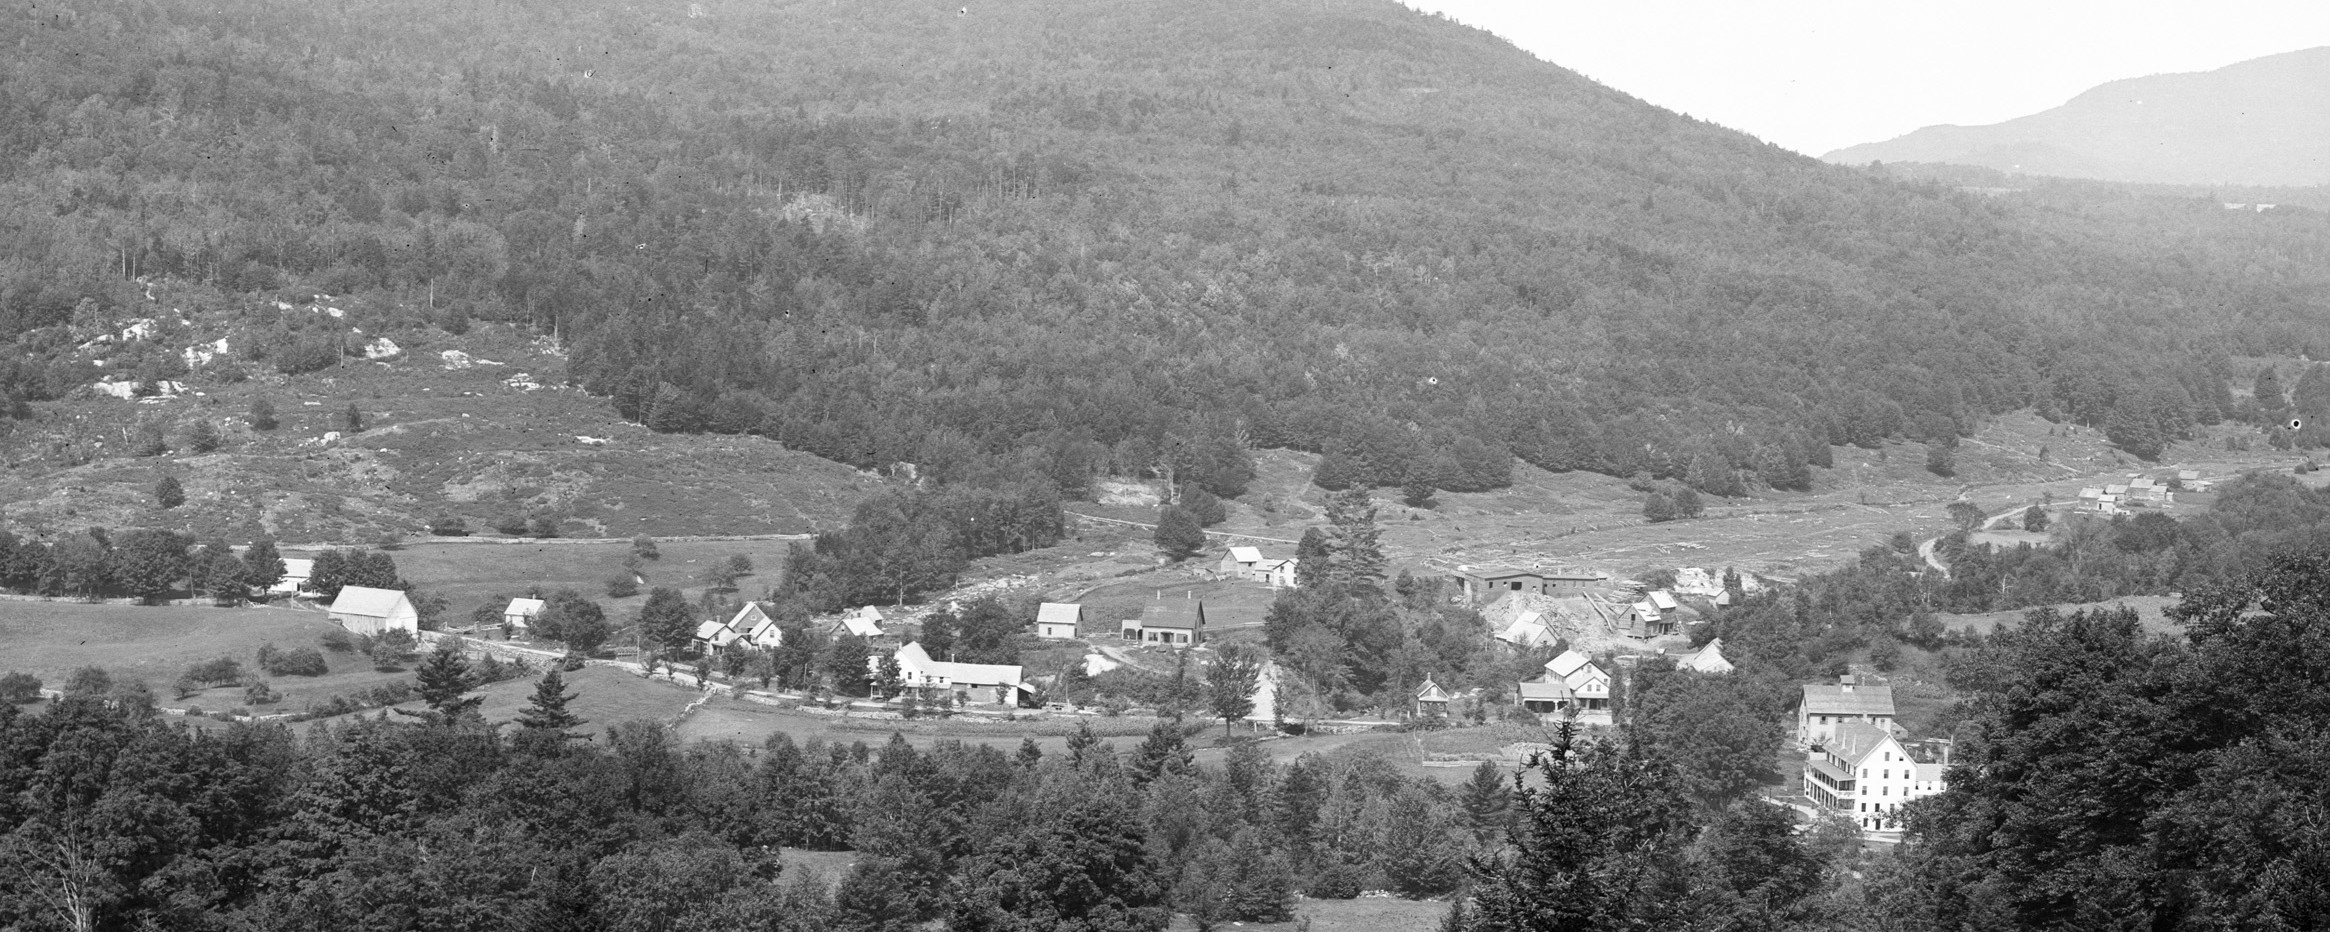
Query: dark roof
{"x": 1831, "y": 699}
{"x": 1174, "y": 613}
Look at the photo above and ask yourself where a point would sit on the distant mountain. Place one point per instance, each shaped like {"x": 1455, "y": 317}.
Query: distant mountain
{"x": 2260, "y": 122}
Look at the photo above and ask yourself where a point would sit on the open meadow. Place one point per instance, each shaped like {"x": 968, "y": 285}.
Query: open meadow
{"x": 466, "y": 571}
{"x": 157, "y": 643}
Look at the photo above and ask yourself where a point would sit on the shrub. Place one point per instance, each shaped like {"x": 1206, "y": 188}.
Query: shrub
{"x": 299, "y": 661}
{"x": 89, "y": 681}
{"x": 19, "y": 688}
{"x": 622, "y": 585}
{"x": 543, "y": 526}
{"x": 449, "y": 526}
{"x": 259, "y": 693}
{"x": 643, "y": 546}
{"x": 186, "y": 685}
{"x": 513, "y": 525}
{"x": 216, "y": 672}
{"x": 337, "y": 641}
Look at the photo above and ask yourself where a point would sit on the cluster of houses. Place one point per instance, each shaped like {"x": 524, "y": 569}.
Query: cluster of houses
{"x": 1855, "y": 762}
{"x": 2138, "y": 492}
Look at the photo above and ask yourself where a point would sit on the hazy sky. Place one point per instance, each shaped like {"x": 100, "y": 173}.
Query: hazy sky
{"x": 1817, "y": 75}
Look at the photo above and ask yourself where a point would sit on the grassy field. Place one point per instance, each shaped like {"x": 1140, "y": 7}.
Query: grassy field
{"x": 2151, "y": 609}
{"x": 438, "y": 441}
{"x": 466, "y": 572}
{"x": 156, "y": 644}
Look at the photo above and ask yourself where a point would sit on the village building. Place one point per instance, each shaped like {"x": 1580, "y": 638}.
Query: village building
{"x": 1643, "y": 620}
{"x": 1486, "y": 583}
{"x": 864, "y": 622}
{"x": 1250, "y": 564}
{"x": 1059, "y": 621}
{"x": 1570, "y": 682}
{"x": 295, "y": 576}
{"x": 1846, "y": 701}
{"x": 757, "y": 626}
{"x": 364, "y": 610}
{"x": 1708, "y": 659}
{"x": 1431, "y": 700}
{"x": 969, "y": 683}
{"x": 519, "y": 615}
{"x": 1863, "y": 771}
{"x": 714, "y": 635}
{"x": 1171, "y": 622}
{"x": 1527, "y": 632}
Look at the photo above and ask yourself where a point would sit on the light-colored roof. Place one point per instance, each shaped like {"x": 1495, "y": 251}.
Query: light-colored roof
{"x": 915, "y": 665}
{"x": 362, "y": 600}
{"x": 298, "y": 567}
{"x": 1664, "y": 600}
{"x": 1708, "y": 659}
{"x": 1831, "y": 699}
{"x": 2090, "y": 493}
{"x": 1246, "y": 554}
{"x": 1647, "y": 611}
{"x": 864, "y": 623}
{"x": 711, "y": 629}
{"x": 526, "y": 607}
{"x": 1548, "y": 691}
{"x": 1431, "y": 692}
{"x": 1853, "y": 742}
{"x": 1526, "y": 631}
{"x": 2115, "y": 489}
{"x": 2188, "y": 475}
{"x": 1567, "y": 663}
{"x": 1059, "y": 613}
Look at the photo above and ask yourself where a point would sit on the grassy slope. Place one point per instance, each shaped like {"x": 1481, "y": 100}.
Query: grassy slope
{"x": 438, "y": 441}
{"x": 157, "y": 643}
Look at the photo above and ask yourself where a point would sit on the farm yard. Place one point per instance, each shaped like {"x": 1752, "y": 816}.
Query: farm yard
{"x": 157, "y": 643}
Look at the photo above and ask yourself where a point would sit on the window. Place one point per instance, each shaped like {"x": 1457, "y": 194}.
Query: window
{"x": 1864, "y": 773}
{"x": 1888, "y": 774}
{"x": 1885, "y": 791}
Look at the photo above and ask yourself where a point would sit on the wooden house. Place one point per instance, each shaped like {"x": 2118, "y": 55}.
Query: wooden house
{"x": 1059, "y": 621}
{"x": 364, "y": 610}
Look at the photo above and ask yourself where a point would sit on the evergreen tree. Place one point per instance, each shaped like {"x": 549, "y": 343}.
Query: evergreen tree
{"x": 545, "y": 725}
{"x": 2271, "y": 398}
{"x": 352, "y": 420}
{"x": 1487, "y": 799}
{"x": 1311, "y": 558}
{"x": 1598, "y": 842}
{"x": 168, "y": 493}
{"x": 444, "y": 683}
{"x": 203, "y": 436}
{"x": 1354, "y": 553}
{"x": 1165, "y": 751}
{"x": 1178, "y": 535}
{"x": 846, "y": 663}
{"x": 1658, "y": 507}
{"x": 262, "y": 415}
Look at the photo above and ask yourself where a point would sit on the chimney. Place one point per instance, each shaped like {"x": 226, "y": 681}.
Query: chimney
{"x": 1845, "y": 681}
{"x": 1189, "y": 594}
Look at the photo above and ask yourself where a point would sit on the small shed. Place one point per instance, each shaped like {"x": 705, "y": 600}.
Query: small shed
{"x": 1059, "y": 621}
{"x": 1431, "y": 700}
{"x": 521, "y": 613}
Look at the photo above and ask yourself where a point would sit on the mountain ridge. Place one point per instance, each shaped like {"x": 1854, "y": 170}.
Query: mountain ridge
{"x": 2265, "y": 121}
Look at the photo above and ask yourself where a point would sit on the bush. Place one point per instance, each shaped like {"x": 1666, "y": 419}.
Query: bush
{"x": 299, "y": 661}
{"x": 643, "y": 546}
{"x": 513, "y": 525}
{"x": 543, "y": 526}
{"x": 622, "y": 585}
{"x": 216, "y": 672}
{"x": 18, "y": 688}
{"x": 259, "y": 693}
{"x": 337, "y": 641}
{"x": 449, "y": 526}
{"x": 1336, "y": 882}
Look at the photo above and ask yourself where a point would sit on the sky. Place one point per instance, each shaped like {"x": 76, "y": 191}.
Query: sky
{"x": 1819, "y": 75}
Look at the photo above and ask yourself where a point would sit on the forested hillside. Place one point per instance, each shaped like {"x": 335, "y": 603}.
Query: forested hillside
{"x": 1072, "y": 238}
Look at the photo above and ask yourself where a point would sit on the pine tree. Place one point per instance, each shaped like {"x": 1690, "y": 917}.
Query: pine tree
{"x": 1310, "y": 559}
{"x": 1165, "y": 751}
{"x": 1355, "y": 555}
{"x": 1488, "y": 802}
{"x": 1029, "y": 754}
{"x": 444, "y": 679}
{"x": 545, "y": 724}
{"x": 203, "y": 436}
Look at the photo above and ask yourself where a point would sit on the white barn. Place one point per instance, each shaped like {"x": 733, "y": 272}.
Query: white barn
{"x": 364, "y": 610}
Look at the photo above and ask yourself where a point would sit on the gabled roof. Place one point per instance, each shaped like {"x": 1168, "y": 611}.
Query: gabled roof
{"x": 298, "y": 567}
{"x": 1708, "y": 659}
{"x": 916, "y": 667}
{"x": 526, "y": 607}
{"x": 1246, "y": 554}
{"x": 1567, "y": 663}
{"x": 1663, "y": 600}
{"x": 1853, "y": 742}
{"x": 750, "y": 615}
{"x": 1526, "y": 631}
{"x": 1546, "y": 691}
{"x": 1059, "y": 613}
{"x": 1831, "y": 699}
{"x": 1186, "y": 614}
{"x": 863, "y": 622}
{"x": 715, "y": 632}
{"x": 1647, "y": 611}
{"x": 1431, "y": 692}
{"x": 362, "y": 600}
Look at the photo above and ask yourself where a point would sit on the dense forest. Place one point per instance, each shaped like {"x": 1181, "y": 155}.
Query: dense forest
{"x": 1069, "y": 239}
